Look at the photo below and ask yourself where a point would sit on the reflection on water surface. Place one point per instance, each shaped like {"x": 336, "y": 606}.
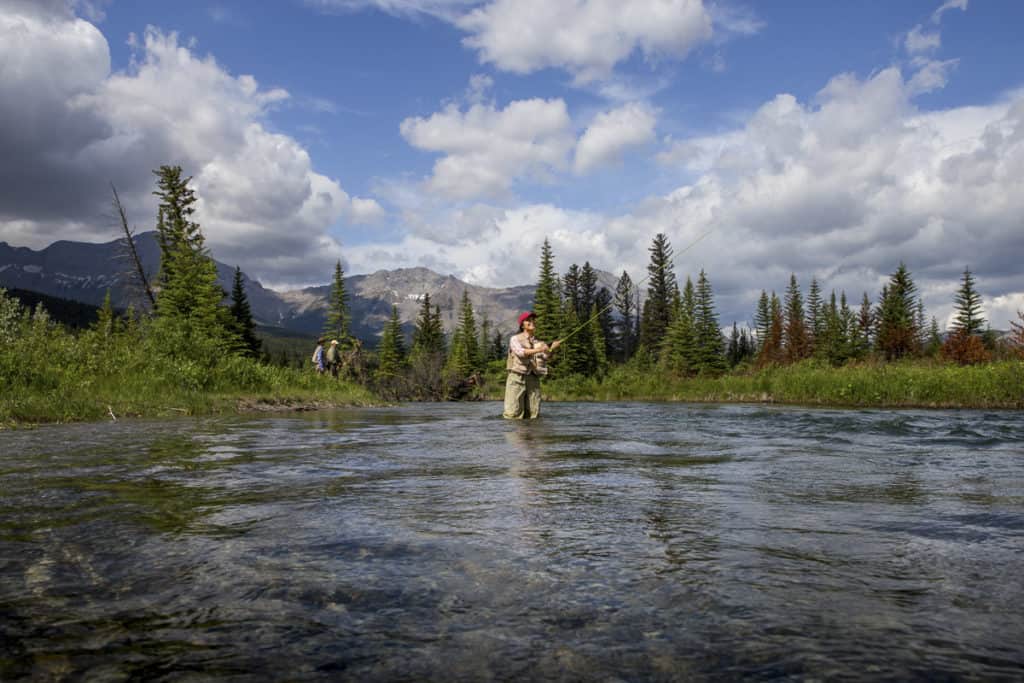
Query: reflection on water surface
{"x": 441, "y": 542}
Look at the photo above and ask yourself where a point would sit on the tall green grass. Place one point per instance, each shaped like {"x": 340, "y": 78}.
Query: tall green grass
{"x": 905, "y": 384}
{"x": 117, "y": 368}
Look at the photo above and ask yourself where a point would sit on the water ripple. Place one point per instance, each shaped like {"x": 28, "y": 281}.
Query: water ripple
{"x": 438, "y": 542}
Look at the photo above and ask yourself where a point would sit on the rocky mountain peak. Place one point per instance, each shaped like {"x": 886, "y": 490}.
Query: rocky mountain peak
{"x": 84, "y": 272}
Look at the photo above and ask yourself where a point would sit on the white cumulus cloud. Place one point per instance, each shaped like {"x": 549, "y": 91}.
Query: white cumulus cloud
{"x": 841, "y": 188}
{"x": 584, "y": 37}
{"x": 71, "y": 127}
{"x": 846, "y": 189}
{"x": 486, "y": 149}
{"x": 612, "y": 133}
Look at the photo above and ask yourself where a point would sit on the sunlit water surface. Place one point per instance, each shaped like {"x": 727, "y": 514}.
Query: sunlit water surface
{"x": 439, "y": 542}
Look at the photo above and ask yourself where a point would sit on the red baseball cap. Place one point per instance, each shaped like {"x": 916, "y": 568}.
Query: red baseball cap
{"x": 524, "y": 315}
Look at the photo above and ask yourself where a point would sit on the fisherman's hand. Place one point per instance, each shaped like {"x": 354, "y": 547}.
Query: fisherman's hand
{"x": 540, "y": 348}
{"x": 555, "y": 344}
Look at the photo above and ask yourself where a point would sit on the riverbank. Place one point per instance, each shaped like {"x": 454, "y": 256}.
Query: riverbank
{"x": 913, "y": 384}
{"x": 244, "y": 386}
{"x": 114, "y": 403}
{"x": 138, "y": 368}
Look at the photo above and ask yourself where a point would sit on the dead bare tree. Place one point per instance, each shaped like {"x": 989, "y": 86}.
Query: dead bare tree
{"x": 129, "y": 238}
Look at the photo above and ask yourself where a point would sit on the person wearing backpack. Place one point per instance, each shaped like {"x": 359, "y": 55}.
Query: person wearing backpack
{"x": 318, "y": 356}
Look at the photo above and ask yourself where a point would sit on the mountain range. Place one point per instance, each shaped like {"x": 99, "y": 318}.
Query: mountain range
{"x": 84, "y": 272}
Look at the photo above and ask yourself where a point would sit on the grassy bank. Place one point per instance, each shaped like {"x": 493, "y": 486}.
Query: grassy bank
{"x": 118, "y": 369}
{"x": 910, "y": 384}
{"x": 72, "y": 398}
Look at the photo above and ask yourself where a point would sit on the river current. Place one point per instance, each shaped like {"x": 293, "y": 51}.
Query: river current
{"x": 440, "y": 542}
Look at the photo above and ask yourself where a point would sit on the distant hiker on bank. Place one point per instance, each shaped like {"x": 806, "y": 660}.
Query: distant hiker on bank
{"x": 333, "y": 358}
{"x": 318, "y": 357}
{"x": 526, "y": 364}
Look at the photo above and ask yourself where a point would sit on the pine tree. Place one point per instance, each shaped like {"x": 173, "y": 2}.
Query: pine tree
{"x": 772, "y": 349}
{"x": 897, "y": 327}
{"x": 921, "y": 325}
{"x": 575, "y": 351}
{"x": 577, "y": 354}
{"x": 733, "y": 352}
{"x": 175, "y": 228}
{"x": 189, "y": 294}
{"x": 688, "y": 309}
{"x": 626, "y": 306}
{"x": 969, "y": 319}
{"x": 747, "y": 347}
{"x": 241, "y": 315}
{"x": 934, "y": 344}
{"x": 680, "y": 352}
{"x": 598, "y": 351}
{"x": 876, "y": 315}
{"x": 637, "y": 320}
{"x": 547, "y": 302}
{"x": 710, "y": 351}
{"x": 396, "y": 326}
{"x": 661, "y": 287}
{"x": 391, "y": 352}
{"x": 571, "y": 291}
{"x": 762, "y": 319}
{"x": 427, "y": 355}
{"x": 862, "y": 338}
{"x": 428, "y": 335}
{"x": 603, "y": 303}
{"x": 587, "y": 290}
{"x": 833, "y": 343}
{"x": 485, "y": 340}
{"x": 437, "y": 324}
{"x": 464, "y": 358}
{"x": 337, "y": 326}
{"x": 815, "y": 324}
{"x": 677, "y": 305}
{"x": 795, "y": 335}
{"x": 848, "y": 325}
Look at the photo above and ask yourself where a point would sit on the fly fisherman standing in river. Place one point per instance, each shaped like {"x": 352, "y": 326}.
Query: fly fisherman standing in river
{"x": 526, "y": 364}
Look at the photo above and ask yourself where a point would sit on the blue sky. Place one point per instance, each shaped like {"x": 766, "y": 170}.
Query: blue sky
{"x": 355, "y": 75}
{"x": 827, "y": 139}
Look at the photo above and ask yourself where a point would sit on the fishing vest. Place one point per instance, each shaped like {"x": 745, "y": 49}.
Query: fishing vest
{"x": 536, "y": 364}
{"x": 516, "y": 364}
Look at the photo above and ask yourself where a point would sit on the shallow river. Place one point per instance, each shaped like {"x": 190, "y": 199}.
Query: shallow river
{"x": 439, "y": 542}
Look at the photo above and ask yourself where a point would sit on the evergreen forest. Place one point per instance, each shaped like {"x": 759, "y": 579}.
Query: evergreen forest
{"x": 193, "y": 348}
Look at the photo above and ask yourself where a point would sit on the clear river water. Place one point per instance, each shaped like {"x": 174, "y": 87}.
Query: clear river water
{"x": 440, "y": 542}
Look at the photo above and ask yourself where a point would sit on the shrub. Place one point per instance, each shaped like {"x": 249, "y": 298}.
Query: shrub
{"x": 965, "y": 349}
